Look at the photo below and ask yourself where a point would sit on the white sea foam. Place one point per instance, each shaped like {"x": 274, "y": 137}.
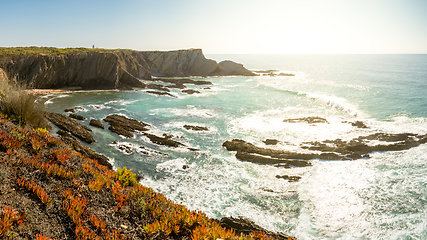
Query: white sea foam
{"x": 98, "y": 106}
{"x": 187, "y": 111}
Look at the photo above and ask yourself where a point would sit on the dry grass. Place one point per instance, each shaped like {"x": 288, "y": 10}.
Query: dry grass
{"x": 20, "y": 106}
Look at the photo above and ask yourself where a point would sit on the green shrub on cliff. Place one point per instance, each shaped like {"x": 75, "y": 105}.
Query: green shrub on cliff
{"x": 126, "y": 177}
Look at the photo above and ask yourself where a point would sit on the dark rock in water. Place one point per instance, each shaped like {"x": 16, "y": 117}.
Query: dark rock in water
{"x": 196, "y": 128}
{"x": 289, "y": 178}
{"x": 180, "y": 81}
{"x": 83, "y": 149}
{"x": 246, "y": 226}
{"x": 226, "y": 68}
{"x": 256, "y": 158}
{"x": 125, "y": 148}
{"x": 267, "y": 189}
{"x": 177, "y": 85}
{"x": 190, "y": 91}
{"x": 167, "y": 140}
{"x": 286, "y": 74}
{"x": 76, "y": 116}
{"x": 266, "y": 71}
{"x": 73, "y": 110}
{"x": 249, "y": 152}
{"x": 124, "y": 126}
{"x": 68, "y": 124}
{"x": 359, "y": 124}
{"x": 193, "y": 149}
{"x": 337, "y": 149}
{"x": 157, "y": 87}
{"x": 96, "y": 123}
{"x": 271, "y": 141}
{"x": 360, "y": 147}
{"x": 185, "y": 166}
{"x": 161, "y": 93}
{"x": 207, "y": 88}
{"x": 307, "y": 120}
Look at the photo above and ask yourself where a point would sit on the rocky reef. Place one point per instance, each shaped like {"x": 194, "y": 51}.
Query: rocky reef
{"x": 110, "y": 69}
{"x": 338, "y": 149}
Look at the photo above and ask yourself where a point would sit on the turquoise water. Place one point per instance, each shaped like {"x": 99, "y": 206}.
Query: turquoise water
{"x": 384, "y": 197}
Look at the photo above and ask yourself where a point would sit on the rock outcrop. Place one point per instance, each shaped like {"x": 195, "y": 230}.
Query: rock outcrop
{"x": 226, "y": 68}
{"x": 111, "y": 69}
{"x": 70, "y": 125}
{"x": 96, "y": 123}
{"x": 336, "y": 149}
{"x": 83, "y": 149}
{"x": 124, "y": 126}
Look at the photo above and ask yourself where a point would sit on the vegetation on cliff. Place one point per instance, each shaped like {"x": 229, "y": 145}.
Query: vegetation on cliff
{"x": 47, "y": 50}
{"x": 50, "y": 191}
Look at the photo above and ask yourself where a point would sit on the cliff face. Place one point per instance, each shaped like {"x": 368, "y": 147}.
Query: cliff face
{"x": 87, "y": 70}
{"x": 111, "y": 69}
{"x": 180, "y": 63}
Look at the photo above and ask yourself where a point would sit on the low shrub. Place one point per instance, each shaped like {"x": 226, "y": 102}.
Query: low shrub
{"x": 126, "y": 177}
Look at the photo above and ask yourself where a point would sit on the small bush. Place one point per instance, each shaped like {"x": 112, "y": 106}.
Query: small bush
{"x": 126, "y": 177}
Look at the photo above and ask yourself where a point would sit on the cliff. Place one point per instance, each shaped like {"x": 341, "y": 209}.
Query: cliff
{"x": 89, "y": 70}
{"x": 108, "y": 69}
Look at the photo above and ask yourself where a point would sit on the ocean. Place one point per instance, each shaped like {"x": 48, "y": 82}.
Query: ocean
{"x": 381, "y": 197}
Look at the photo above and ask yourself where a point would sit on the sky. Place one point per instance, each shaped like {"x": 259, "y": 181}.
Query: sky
{"x": 220, "y": 26}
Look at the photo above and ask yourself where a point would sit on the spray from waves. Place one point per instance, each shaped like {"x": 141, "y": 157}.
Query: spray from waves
{"x": 378, "y": 198}
{"x": 338, "y": 103}
{"x": 335, "y": 102}
{"x": 222, "y": 186}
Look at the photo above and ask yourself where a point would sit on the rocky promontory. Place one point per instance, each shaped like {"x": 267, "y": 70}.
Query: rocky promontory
{"x": 52, "y": 68}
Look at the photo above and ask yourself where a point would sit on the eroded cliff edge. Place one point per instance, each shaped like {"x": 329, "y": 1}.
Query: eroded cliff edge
{"x": 110, "y": 69}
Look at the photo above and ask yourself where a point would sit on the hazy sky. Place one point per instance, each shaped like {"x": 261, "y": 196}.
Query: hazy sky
{"x": 220, "y": 26}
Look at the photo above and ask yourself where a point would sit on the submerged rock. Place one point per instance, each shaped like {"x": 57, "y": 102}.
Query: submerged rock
{"x": 309, "y": 120}
{"x": 68, "y": 124}
{"x": 124, "y": 126}
{"x": 196, "y": 128}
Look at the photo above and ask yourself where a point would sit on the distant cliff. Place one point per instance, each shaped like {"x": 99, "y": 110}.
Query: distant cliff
{"x": 109, "y": 69}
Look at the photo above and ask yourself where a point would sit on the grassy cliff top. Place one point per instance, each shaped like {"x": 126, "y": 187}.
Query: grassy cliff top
{"x": 13, "y": 51}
